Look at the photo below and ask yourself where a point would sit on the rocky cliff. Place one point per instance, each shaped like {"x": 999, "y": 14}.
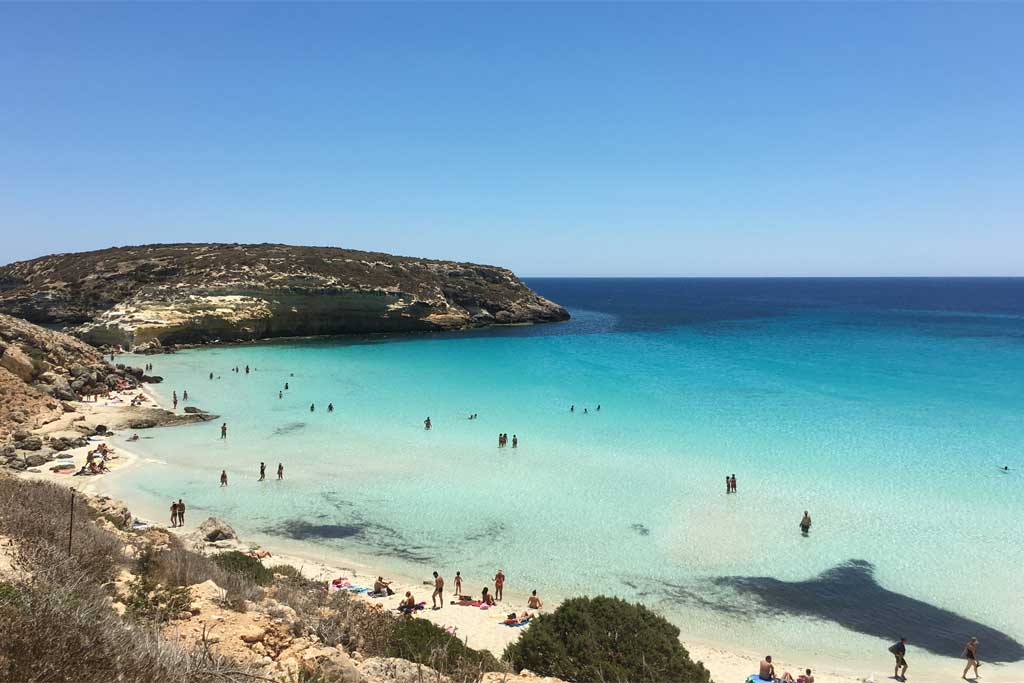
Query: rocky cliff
{"x": 196, "y": 293}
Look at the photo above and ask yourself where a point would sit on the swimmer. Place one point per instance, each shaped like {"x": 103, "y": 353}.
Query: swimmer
{"x": 280, "y": 471}
{"x": 280, "y": 394}
{"x": 426, "y": 423}
{"x": 223, "y": 477}
{"x": 599, "y": 407}
{"x": 211, "y": 375}
{"x": 286, "y": 386}
{"x": 572, "y": 408}
{"x": 330, "y": 407}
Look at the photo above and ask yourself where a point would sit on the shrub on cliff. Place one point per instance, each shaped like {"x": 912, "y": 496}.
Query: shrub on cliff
{"x": 240, "y": 564}
{"x": 605, "y": 639}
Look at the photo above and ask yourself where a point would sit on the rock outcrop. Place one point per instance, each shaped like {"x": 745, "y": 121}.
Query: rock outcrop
{"x": 167, "y": 294}
{"x": 41, "y": 369}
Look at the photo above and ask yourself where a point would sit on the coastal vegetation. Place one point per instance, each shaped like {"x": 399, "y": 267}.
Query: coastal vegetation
{"x": 605, "y": 639}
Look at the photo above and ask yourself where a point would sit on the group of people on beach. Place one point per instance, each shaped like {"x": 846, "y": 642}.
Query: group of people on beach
{"x": 503, "y": 440}
{"x": 262, "y": 477}
{"x": 488, "y": 598}
{"x": 899, "y": 651}
{"x": 766, "y": 672}
{"x": 96, "y": 461}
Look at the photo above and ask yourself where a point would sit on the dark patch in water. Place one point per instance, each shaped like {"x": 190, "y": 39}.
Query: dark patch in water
{"x": 289, "y": 428}
{"x": 381, "y": 540}
{"x": 304, "y": 531}
{"x": 849, "y": 595}
{"x": 492, "y": 531}
{"x": 640, "y": 529}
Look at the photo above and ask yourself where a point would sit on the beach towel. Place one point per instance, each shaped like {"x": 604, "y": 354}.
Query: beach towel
{"x": 469, "y": 603}
{"x": 357, "y": 589}
{"x": 756, "y": 678}
{"x": 515, "y": 624}
{"x": 419, "y": 606}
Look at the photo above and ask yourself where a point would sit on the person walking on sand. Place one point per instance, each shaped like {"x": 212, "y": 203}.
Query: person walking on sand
{"x": 899, "y": 651}
{"x": 263, "y": 471}
{"x": 438, "y": 591}
{"x": 805, "y": 524}
{"x": 174, "y": 514}
{"x": 181, "y": 513}
{"x": 224, "y": 430}
{"x": 458, "y": 584}
{"x": 280, "y": 471}
{"x": 499, "y": 584}
{"x": 971, "y": 655}
{"x": 223, "y": 477}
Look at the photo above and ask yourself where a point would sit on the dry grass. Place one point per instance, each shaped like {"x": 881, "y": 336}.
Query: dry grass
{"x": 56, "y": 619}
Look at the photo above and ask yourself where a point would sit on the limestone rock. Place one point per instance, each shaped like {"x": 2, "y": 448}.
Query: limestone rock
{"x": 393, "y": 670}
{"x": 15, "y": 360}
{"x": 214, "y": 529}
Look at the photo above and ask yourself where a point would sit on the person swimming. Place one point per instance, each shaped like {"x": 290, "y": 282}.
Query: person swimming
{"x": 330, "y": 407}
{"x": 312, "y": 407}
{"x": 426, "y": 423}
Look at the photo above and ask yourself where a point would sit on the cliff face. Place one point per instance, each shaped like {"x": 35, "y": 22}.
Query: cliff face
{"x": 40, "y": 368}
{"x": 194, "y": 293}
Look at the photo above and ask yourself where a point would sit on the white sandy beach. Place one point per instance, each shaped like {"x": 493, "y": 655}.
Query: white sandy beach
{"x": 479, "y": 628}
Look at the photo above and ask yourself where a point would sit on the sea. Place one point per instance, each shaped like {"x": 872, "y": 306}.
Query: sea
{"x": 885, "y": 408}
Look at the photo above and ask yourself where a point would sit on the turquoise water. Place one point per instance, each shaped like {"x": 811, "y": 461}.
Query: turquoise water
{"x": 886, "y": 417}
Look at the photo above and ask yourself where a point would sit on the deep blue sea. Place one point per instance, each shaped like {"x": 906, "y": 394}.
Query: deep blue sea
{"x": 884, "y": 407}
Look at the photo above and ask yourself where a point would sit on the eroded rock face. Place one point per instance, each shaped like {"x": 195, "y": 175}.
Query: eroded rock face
{"x": 195, "y": 293}
{"x": 214, "y": 529}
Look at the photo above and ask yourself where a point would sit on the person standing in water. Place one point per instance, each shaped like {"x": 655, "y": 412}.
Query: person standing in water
{"x": 515, "y": 441}
{"x": 247, "y": 369}
{"x": 734, "y": 483}
{"x": 599, "y": 407}
{"x": 223, "y": 477}
{"x": 971, "y": 655}
{"x": 280, "y": 471}
{"x": 174, "y": 514}
{"x": 211, "y": 375}
{"x": 728, "y": 485}
{"x": 286, "y": 386}
{"x": 899, "y": 651}
{"x": 312, "y": 407}
{"x": 330, "y": 407}
{"x": 263, "y": 471}
{"x": 174, "y": 400}
{"x": 805, "y": 523}
{"x": 280, "y": 394}
{"x": 181, "y": 513}
{"x": 426, "y": 423}
{"x": 224, "y": 430}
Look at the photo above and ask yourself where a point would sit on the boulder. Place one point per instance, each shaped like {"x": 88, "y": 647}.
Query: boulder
{"x": 15, "y": 360}
{"x": 394, "y": 670}
{"x": 151, "y": 379}
{"x": 214, "y": 529}
{"x": 18, "y": 416}
{"x": 30, "y": 443}
{"x": 21, "y": 434}
{"x": 252, "y": 634}
{"x": 35, "y": 460}
{"x": 192, "y": 410}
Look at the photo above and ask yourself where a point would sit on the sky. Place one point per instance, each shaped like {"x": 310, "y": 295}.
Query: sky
{"x": 555, "y": 139}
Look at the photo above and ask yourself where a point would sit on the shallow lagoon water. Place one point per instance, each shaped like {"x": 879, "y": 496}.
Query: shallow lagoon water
{"x": 884, "y": 407}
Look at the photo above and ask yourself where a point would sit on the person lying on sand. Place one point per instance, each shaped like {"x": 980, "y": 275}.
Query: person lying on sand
{"x": 515, "y": 620}
{"x": 259, "y": 553}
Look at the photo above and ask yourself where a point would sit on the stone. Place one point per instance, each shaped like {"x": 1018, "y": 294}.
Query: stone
{"x": 214, "y": 529}
{"x": 394, "y": 670}
{"x": 15, "y": 360}
{"x": 31, "y": 443}
{"x": 253, "y": 634}
{"x": 192, "y": 410}
{"x": 21, "y": 434}
{"x": 35, "y": 460}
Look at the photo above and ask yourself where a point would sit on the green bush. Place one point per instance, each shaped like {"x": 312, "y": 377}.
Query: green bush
{"x": 420, "y": 641}
{"x": 235, "y": 562}
{"x": 605, "y": 639}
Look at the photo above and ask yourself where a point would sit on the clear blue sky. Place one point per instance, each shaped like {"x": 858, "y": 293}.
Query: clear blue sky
{"x": 556, "y": 139}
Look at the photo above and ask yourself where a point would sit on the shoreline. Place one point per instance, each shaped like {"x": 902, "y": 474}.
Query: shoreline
{"x": 480, "y": 629}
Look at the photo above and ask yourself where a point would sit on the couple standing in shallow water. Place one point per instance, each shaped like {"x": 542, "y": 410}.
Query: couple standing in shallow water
{"x": 503, "y": 440}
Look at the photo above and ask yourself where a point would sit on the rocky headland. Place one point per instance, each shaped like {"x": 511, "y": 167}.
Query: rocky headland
{"x": 169, "y": 294}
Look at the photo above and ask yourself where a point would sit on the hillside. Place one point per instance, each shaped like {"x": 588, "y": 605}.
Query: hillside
{"x": 196, "y": 293}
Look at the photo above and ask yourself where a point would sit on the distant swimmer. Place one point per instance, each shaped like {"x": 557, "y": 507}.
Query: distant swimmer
{"x": 426, "y": 423}
{"x": 280, "y": 394}
{"x": 211, "y": 375}
{"x": 263, "y": 471}
{"x": 1004, "y": 468}
{"x": 805, "y": 523}
{"x": 280, "y": 471}
{"x": 223, "y": 477}
{"x": 585, "y": 411}
{"x": 599, "y": 407}
{"x": 312, "y": 407}
{"x": 572, "y": 408}
{"x": 224, "y": 430}
{"x": 247, "y": 369}
{"x": 515, "y": 441}
{"x": 184, "y": 395}
{"x": 330, "y": 407}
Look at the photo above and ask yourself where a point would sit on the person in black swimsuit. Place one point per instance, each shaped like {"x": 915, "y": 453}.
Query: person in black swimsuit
{"x": 899, "y": 650}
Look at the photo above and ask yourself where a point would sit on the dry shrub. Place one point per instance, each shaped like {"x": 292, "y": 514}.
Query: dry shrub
{"x": 177, "y": 566}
